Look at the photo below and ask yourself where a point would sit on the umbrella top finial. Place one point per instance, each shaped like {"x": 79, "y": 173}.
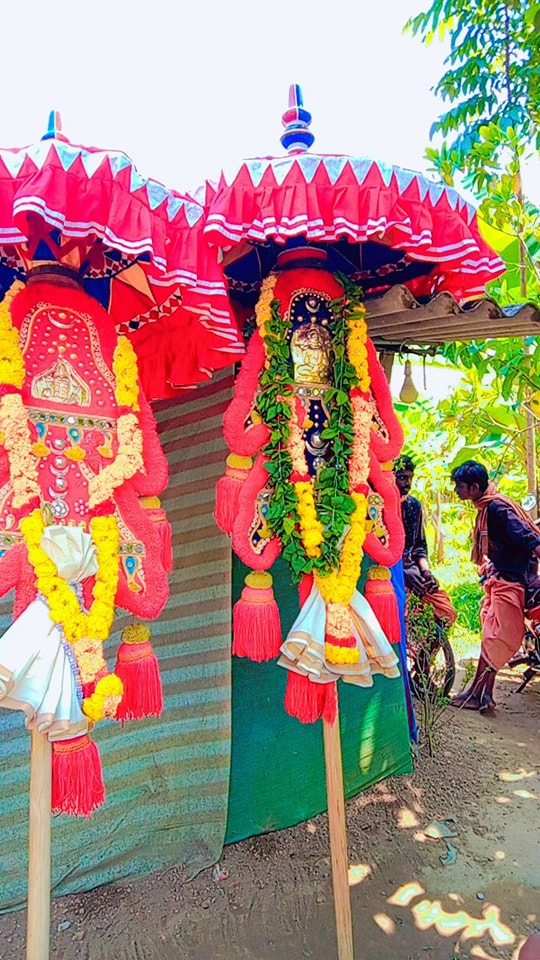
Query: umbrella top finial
{"x": 54, "y": 127}
{"x": 297, "y": 137}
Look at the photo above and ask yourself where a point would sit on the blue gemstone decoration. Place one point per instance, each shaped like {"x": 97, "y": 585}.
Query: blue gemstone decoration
{"x": 131, "y": 564}
{"x": 74, "y": 434}
{"x": 41, "y": 430}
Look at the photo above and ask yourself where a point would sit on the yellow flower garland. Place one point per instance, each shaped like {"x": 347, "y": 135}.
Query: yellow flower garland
{"x": 356, "y": 346}
{"x": 337, "y": 588}
{"x": 105, "y": 699}
{"x": 125, "y": 371}
{"x": 311, "y": 528}
{"x": 11, "y": 359}
{"x": 263, "y": 312}
{"x": 62, "y": 601}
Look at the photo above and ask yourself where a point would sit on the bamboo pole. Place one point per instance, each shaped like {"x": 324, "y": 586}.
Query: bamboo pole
{"x": 338, "y": 838}
{"x": 39, "y": 849}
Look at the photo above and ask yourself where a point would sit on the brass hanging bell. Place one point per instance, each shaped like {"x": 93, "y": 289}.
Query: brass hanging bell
{"x": 408, "y": 392}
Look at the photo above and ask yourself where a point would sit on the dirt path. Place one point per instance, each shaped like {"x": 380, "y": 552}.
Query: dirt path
{"x": 274, "y": 898}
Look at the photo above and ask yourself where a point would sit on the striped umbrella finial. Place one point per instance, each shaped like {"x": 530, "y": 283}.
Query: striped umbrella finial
{"x": 297, "y": 137}
{"x": 54, "y": 127}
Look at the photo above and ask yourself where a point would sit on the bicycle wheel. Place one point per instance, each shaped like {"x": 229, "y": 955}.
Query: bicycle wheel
{"x": 432, "y": 672}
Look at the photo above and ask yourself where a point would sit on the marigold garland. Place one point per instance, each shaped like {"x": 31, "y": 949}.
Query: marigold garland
{"x": 63, "y": 603}
{"x": 356, "y": 345}
{"x": 105, "y": 700}
{"x": 125, "y": 371}
{"x": 263, "y": 309}
{"x": 323, "y": 528}
{"x": 12, "y": 370}
{"x": 311, "y": 528}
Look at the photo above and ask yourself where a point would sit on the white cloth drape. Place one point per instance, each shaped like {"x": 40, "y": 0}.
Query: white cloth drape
{"x": 36, "y": 675}
{"x": 303, "y": 651}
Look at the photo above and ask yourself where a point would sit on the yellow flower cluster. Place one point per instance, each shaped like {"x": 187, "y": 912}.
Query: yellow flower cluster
{"x": 263, "y": 312}
{"x": 126, "y": 373}
{"x": 335, "y": 654}
{"x": 11, "y": 361}
{"x": 339, "y": 585}
{"x": 310, "y": 525}
{"x": 62, "y": 601}
{"x": 128, "y": 461}
{"x": 105, "y": 700}
{"x": 18, "y": 444}
{"x": 356, "y": 346}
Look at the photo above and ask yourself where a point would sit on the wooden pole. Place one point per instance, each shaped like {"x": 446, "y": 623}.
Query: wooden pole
{"x": 338, "y": 838}
{"x": 39, "y": 849}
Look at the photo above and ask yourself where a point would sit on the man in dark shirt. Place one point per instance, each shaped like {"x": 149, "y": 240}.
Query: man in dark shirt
{"x": 506, "y": 548}
{"x": 418, "y": 577}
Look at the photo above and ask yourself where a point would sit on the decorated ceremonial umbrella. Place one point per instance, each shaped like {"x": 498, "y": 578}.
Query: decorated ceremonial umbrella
{"x": 106, "y": 262}
{"x": 306, "y": 240}
{"x": 135, "y": 246}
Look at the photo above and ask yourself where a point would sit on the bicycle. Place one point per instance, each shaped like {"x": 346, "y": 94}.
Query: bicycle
{"x": 430, "y": 658}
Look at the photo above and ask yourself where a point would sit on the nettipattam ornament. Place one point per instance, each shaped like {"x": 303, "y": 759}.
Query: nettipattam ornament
{"x": 310, "y": 427}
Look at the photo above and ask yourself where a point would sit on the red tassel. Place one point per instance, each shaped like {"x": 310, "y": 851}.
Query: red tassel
{"x": 152, "y": 509}
{"x": 163, "y": 528}
{"x": 138, "y": 669}
{"x": 379, "y": 592}
{"x": 256, "y": 623}
{"x": 228, "y": 491}
{"x": 308, "y": 701}
{"x": 77, "y": 781}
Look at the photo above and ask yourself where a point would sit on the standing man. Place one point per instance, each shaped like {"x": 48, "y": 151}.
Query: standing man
{"x": 418, "y": 577}
{"x": 506, "y": 548}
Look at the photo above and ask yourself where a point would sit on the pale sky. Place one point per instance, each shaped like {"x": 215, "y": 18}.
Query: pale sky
{"x": 185, "y": 88}
{"x": 188, "y": 87}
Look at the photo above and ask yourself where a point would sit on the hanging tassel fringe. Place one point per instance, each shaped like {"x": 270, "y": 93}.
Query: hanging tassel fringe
{"x": 380, "y": 595}
{"x": 138, "y": 669}
{"x": 165, "y": 541}
{"x": 154, "y": 512}
{"x": 228, "y": 491}
{"x": 256, "y": 623}
{"x": 308, "y": 701}
{"x": 77, "y": 781}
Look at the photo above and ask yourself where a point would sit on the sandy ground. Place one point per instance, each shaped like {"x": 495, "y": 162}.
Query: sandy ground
{"x": 271, "y": 897}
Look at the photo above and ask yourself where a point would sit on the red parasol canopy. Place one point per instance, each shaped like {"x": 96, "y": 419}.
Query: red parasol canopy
{"x": 390, "y": 225}
{"x": 136, "y": 246}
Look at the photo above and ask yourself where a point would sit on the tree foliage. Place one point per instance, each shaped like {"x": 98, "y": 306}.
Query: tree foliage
{"x": 492, "y": 74}
{"x": 492, "y": 86}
